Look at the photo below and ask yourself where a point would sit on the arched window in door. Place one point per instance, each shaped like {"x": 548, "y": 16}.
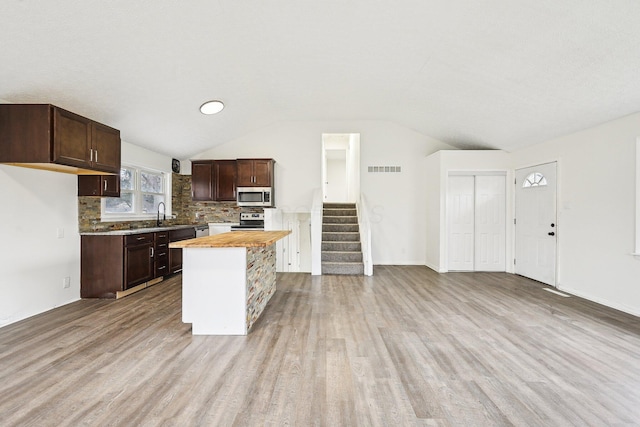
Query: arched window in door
{"x": 535, "y": 179}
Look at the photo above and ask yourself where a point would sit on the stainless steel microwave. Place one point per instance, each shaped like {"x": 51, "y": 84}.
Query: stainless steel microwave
{"x": 255, "y": 196}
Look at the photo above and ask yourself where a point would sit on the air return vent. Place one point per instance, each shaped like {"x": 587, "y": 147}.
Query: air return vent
{"x": 384, "y": 169}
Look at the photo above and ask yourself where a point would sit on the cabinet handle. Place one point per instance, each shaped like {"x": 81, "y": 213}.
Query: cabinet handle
{"x": 91, "y": 154}
{"x": 140, "y": 238}
{"x": 151, "y": 252}
{"x": 163, "y": 267}
{"x": 105, "y": 185}
{"x": 96, "y": 156}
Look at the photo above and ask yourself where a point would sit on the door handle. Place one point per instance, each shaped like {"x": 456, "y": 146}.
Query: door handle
{"x": 551, "y": 233}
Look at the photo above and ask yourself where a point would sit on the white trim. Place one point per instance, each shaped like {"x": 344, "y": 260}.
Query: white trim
{"x": 435, "y": 268}
{"x": 558, "y": 215}
{"x": 637, "y": 248}
{"x": 453, "y": 172}
{"x": 601, "y": 301}
{"x": 553, "y": 291}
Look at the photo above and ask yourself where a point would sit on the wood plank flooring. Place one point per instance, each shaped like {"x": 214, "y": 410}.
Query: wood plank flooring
{"x": 406, "y": 347}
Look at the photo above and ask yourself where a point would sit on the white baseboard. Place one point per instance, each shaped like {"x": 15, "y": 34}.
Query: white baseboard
{"x": 434, "y": 268}
{"x": 601, "y": 301}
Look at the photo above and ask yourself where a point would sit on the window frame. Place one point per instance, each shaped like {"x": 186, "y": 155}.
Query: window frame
{"x": 137, "y": 214}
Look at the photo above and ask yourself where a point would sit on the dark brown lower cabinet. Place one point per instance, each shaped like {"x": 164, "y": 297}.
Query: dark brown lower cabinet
{"x": 161, "y": 254}
{"x": 175, "y": 255}
{"x": 138, "y": 259}
{"x": 110, "y": 264}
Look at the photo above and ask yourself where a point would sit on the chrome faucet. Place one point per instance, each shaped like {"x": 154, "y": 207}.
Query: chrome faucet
{"x": 164, "y": 214}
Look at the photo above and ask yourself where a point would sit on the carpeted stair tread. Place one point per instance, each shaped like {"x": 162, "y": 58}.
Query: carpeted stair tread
{"x": 343, "y": 268}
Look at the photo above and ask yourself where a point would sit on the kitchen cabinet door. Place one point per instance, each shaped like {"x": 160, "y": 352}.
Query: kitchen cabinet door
{"x": 255, "y": 172}
{"x": 71, "y": 139}
{"x": 99, "y": 185}
{"x": 105, "y": 142}
{"x": 224, "y": 176}
{"x": 263, "y": 173}
{"x": 245, "y": 173}
{"x": 202, "y": 188}
{"x": 138, "y": 264}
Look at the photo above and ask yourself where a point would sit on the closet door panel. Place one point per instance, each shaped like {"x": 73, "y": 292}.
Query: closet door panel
{"x": 490, "y": 226}
{"x": 460, "y": 212}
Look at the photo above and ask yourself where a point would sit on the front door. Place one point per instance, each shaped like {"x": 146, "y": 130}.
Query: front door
{"x": 536, "y": 223}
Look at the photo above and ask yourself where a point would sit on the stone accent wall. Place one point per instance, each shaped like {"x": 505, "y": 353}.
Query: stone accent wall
{"x": 261, "y": 280}
{"x": 186, "y": 210}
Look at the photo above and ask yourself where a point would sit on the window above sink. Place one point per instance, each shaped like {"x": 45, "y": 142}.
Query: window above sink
{"x": 141, "y": 191}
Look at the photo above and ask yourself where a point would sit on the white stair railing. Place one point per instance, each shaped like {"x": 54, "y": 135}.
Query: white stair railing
{"x": 365, "y": 234}
{"x": 316, "y": 233}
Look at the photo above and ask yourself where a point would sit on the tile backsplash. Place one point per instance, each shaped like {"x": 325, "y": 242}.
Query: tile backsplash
{"x": 186, "y": 211}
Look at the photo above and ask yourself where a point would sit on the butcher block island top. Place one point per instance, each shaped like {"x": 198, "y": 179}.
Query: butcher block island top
{"x": 234, "y": 239}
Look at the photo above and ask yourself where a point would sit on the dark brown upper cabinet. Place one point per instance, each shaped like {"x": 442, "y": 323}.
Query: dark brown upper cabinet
{"x": 202, "y": 188}
{"x": 99, "y": 185}
{"x": 213, "y": 180}
{"x": 224, "y": 176}
{"x": 255, "y": 173}
{"x": 44, "y": 136}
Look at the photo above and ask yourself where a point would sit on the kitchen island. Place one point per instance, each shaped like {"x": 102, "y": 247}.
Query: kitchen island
{"x": 227, "y": 280}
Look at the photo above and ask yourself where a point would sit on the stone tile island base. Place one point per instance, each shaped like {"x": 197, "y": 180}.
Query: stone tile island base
{"x": 225, "y": 289}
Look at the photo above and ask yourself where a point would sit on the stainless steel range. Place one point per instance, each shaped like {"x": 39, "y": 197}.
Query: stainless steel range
{"x": 250, "y": 221}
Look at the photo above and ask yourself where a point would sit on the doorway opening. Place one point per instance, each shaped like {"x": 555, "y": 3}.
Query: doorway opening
{"x": 340, "y": 167}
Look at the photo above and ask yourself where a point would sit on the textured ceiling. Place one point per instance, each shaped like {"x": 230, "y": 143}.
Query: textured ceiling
{"x": 475, "y": 74}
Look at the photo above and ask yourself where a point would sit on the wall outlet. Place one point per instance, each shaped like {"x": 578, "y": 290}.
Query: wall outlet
{"x": 66, "y": 282}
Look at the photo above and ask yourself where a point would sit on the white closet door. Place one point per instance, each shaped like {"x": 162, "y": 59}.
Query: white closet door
{"x": 460, "y": 201}
{"x": 490, "y": 223}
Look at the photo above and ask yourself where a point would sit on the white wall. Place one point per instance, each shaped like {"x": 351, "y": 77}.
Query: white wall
{"x": 397, "y": 200}
{"x": 336, "y": 179}
{"x": 435, "y": 211}
{"x": 137, "y": 156}
{"x": 596, "y": 211}
{"x": 34, "y": 261}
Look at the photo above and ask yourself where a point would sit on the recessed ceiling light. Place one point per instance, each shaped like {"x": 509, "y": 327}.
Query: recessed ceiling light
{"x": 211, "y": 107}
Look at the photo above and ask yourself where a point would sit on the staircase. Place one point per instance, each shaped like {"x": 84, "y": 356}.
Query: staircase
{"x": 341, "y": 249}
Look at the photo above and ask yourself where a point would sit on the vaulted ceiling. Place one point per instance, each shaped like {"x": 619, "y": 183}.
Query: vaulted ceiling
{"x": 476, "y": 74}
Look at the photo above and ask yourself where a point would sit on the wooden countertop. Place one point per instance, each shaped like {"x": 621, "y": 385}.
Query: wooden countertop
{"x": 234, "y": 239}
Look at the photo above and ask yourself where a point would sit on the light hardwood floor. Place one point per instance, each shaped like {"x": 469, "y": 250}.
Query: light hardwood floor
{"x": 402, "y": 348}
